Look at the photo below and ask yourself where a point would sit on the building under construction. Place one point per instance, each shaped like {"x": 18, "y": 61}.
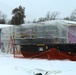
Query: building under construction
{"x": 42, "y": 40}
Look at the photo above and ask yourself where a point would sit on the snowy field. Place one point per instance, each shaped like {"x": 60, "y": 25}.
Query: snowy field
{"x": 15, "y": 66}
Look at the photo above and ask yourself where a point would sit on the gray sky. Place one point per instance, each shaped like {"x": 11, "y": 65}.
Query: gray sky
{"x": 38, "y": 8}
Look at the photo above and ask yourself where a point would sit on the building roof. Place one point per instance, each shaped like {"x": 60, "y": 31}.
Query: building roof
{"x": 62, "y": 22}
{"x": 5, "y": 25}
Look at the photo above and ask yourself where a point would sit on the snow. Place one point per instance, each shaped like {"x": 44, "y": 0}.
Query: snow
{"x": 60, "y": 22}
{"x": 5, "y": 25}
{"x": 17, "y": 66}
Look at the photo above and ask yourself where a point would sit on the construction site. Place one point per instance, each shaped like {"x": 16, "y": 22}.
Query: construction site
{"x": 51, "y": 40}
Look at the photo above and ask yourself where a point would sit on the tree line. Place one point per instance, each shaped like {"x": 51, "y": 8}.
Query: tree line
{"x": 55, "y": 15}
{"x": 19, "y": 16}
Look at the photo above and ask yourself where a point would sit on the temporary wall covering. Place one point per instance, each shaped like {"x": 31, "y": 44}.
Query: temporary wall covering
{"x": 54, "y": 31}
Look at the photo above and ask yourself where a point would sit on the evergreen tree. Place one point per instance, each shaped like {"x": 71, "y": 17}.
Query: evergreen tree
{"x": 18, "y": 15}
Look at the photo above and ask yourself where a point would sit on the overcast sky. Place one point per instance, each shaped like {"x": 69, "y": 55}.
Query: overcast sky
{"x": 38, "y": 8}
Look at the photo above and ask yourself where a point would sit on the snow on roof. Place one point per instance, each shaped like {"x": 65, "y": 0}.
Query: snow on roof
{"x": 5, "y": 25}
{"x": 62, "y": 22}
{"x": 32, "y": 24}
{"x": 52, "y": 22}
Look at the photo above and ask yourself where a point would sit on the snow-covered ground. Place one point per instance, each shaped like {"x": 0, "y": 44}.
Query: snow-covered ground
{"x": 15, "y": 66}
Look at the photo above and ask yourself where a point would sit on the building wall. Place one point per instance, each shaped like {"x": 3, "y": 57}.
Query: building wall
{"x": 6, "y": 32}
{"x": 7, "y": 39}
{"x": 0, "y": 38}
{"x": 72, "y": 34}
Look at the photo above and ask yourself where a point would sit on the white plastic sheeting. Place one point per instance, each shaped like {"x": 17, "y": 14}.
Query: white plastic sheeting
{"x": 6, "y": 33}
{"x": 57, "y": 32}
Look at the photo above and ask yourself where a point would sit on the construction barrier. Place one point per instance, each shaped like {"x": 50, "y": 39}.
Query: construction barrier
{"x": 52, "y": 54}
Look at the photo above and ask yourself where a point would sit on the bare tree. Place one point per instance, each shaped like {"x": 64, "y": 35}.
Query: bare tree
{"x": 2, "y": 18}
{"x": 49, "y": 16}
{"x": 73, "y": 15}
{"x": 53, "y": 15}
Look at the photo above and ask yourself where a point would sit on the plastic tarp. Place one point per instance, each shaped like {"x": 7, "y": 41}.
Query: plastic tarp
{"x": 56, "y": 32}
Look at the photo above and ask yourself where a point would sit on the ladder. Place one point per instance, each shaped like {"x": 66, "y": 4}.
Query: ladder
{"x": 11, "y": 45}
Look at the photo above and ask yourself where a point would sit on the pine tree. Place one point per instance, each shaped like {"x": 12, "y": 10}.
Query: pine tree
{"x": 18, "y": 16}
